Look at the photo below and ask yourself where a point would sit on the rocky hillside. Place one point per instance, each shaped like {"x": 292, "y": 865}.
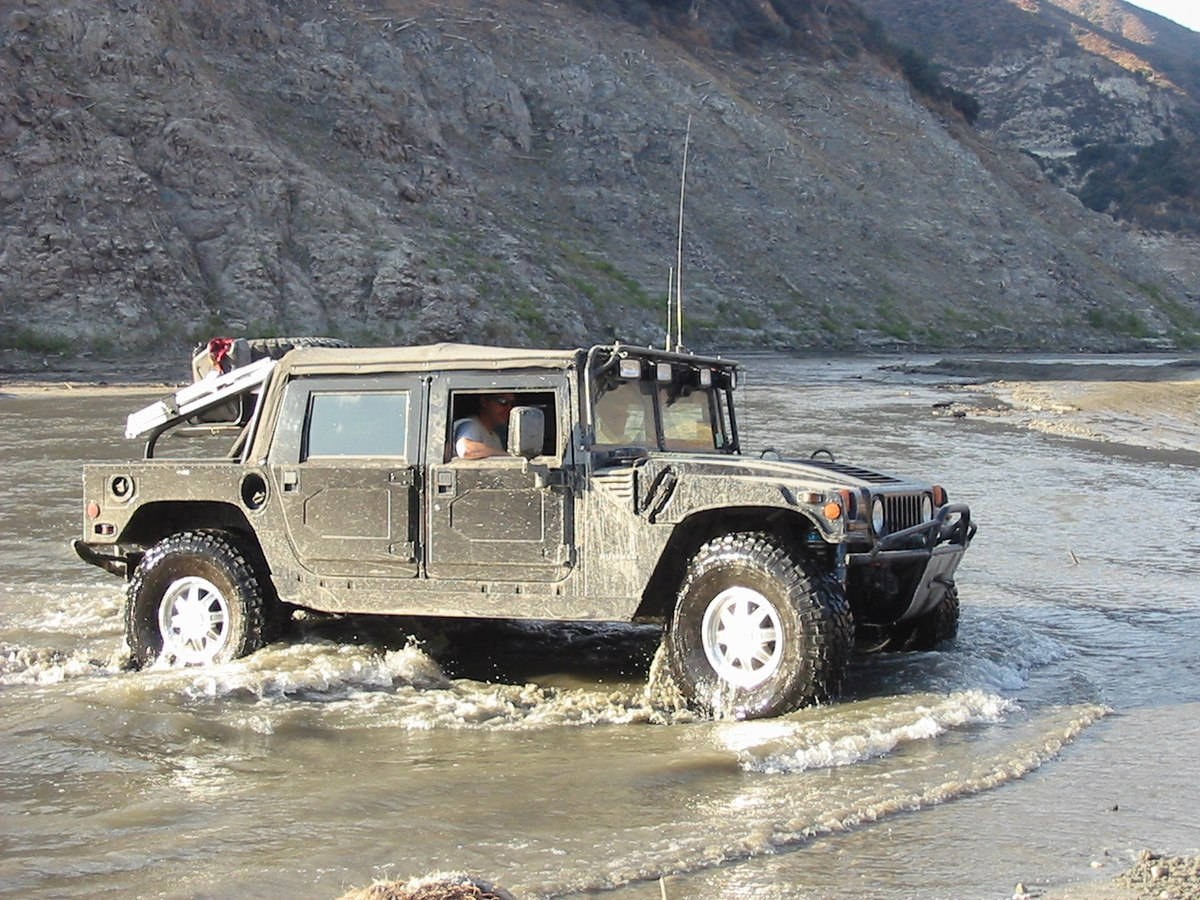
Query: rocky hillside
{"x": 509, "y": 172}
{"x": 1106, "y": 96}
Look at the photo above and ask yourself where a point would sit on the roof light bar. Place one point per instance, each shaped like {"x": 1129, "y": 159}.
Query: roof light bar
{"x": 631, "y": 368}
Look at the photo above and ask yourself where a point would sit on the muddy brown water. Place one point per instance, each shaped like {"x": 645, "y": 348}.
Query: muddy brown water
{"x": 1053, "y": 740}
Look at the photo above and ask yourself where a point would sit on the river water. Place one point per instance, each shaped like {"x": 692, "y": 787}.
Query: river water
{"x": 1053, "y": 740}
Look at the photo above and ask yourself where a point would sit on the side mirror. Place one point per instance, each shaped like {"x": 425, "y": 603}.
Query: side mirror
{"x": 526, "y": 431}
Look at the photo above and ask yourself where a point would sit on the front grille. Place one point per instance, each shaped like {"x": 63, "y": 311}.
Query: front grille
{"x": 903, "y": 511}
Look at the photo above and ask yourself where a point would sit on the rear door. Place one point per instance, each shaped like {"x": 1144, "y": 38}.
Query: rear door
{"x": 345, "y": 463}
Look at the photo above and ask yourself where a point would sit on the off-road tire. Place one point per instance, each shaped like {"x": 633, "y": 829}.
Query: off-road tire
{"x": 788, "y": 609}
{"x": 206, "y": 573}
{"x": 275, "y": 348}
{"x": 939, "y": 625}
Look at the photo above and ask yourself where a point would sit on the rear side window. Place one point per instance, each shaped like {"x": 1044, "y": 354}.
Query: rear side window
{"x": 345, "y": 423}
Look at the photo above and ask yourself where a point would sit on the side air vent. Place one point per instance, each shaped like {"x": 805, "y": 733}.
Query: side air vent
{"x": 617, "y": 485}
{"x": 852, "y": 471}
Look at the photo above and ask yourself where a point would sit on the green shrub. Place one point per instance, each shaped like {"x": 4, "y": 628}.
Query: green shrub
{"x": 528, "y": 312}
{"x": 34, "y": 341}
{"x": 924, "y": 76}
{"x": 1156, "y": 186}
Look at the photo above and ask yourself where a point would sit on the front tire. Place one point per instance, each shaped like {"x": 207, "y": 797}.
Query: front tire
{"x": 756, "y": 631}
{"x": 927, "y": 632}
{"x": 939, "y": 625}
{"x": 194, "y": 599}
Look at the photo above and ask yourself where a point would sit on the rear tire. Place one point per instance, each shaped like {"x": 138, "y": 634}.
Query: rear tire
{"x": 756, "y": 631}
{"x": 194, "y": 599}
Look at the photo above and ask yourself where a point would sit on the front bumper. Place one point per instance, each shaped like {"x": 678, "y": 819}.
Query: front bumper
{"x": 115, "y": 558}
{"x": 917, "y": 564}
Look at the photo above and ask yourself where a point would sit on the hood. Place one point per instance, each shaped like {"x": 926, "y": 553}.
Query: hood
{"x": 818, "y": 471}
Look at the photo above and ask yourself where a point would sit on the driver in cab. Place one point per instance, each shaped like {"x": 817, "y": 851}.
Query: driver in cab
{"x": 485, "y": 433}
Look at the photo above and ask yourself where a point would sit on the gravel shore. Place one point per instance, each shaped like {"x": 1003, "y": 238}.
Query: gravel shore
{"x": 1159, "y": 416}
{"x": 1152, "y": 877}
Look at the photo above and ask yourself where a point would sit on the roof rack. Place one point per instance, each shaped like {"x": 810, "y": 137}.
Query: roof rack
{"x": 196, "y": 398}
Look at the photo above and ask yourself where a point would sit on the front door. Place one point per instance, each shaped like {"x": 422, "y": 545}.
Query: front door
{"x": 502, "y": 518}
{"x": 345, "y": 468}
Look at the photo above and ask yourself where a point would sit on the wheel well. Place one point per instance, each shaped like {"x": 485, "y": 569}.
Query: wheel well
{"x": 155, "y": 521}
{"x": 658, "y": 598}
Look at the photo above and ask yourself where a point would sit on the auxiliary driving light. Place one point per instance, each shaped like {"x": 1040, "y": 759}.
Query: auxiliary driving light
{"x": 631, "y": 368}
{"x": 706, "y": 378}
{"x": 663, "y": 371}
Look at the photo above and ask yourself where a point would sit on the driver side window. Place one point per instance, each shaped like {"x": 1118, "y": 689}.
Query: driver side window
{"x": 473, "y": 415}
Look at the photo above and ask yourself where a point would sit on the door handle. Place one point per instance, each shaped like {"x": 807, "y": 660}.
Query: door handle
{"x": 444, "y": 481}
{"x": 289, "y": 479}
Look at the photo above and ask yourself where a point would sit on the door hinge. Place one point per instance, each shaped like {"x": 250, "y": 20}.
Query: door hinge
{"x": 406, "y": 551}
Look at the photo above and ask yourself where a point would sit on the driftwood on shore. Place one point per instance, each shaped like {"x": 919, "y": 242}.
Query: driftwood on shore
{"x": 442, "y": 886}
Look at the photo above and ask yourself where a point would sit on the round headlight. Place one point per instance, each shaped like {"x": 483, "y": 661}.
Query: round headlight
{"x": 877, "y": 522}
{"x": 926, "y": 508}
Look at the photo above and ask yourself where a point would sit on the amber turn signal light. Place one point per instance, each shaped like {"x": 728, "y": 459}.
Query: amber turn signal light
{"x": 832, "y": 510}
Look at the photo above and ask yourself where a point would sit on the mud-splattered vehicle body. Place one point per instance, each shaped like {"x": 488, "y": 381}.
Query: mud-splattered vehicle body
{"x": 624, "y": 496}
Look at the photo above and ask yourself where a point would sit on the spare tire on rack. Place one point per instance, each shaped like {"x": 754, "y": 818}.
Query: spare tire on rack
{"x": 223, "y": 354}
{"x": 276, "y": 347}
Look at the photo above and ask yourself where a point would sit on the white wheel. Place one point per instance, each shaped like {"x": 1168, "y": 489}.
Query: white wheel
{"x": 194, "y": 600}
{"x": 193, "y": 619}
{"x": 742, "y": 637}
{"x": 756, "y": 630}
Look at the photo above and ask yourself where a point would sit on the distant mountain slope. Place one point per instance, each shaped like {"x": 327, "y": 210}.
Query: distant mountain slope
{"x": 1105, "y": 95}
{"x": 509, "y": 172}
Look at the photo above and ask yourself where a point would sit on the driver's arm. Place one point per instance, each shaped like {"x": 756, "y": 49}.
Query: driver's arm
{"x": 465, "y": 448}
{"x": 470, "y": 441}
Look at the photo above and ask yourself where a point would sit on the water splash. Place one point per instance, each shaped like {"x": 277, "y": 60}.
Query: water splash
{"x": 47, "y": 665}
{"x": 784, "y": 819}
{"x": 855, "y": 732}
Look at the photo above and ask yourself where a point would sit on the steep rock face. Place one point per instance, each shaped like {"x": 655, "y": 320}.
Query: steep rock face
{"x": 509, "y": 172}
{"x": 1084, "y": 86}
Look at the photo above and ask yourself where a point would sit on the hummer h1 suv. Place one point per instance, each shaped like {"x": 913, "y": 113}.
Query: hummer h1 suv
{"x": 623, "y": 495}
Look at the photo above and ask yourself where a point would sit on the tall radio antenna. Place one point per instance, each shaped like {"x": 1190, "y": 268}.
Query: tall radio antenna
{"x": 679, "y": 249}
{"x": 670, "y": 290}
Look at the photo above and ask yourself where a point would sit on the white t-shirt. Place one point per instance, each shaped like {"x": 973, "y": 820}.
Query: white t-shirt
{"x": 472, "y": 429}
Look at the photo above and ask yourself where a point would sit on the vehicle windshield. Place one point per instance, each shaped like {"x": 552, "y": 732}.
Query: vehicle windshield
{"x": 693, "y": 419}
